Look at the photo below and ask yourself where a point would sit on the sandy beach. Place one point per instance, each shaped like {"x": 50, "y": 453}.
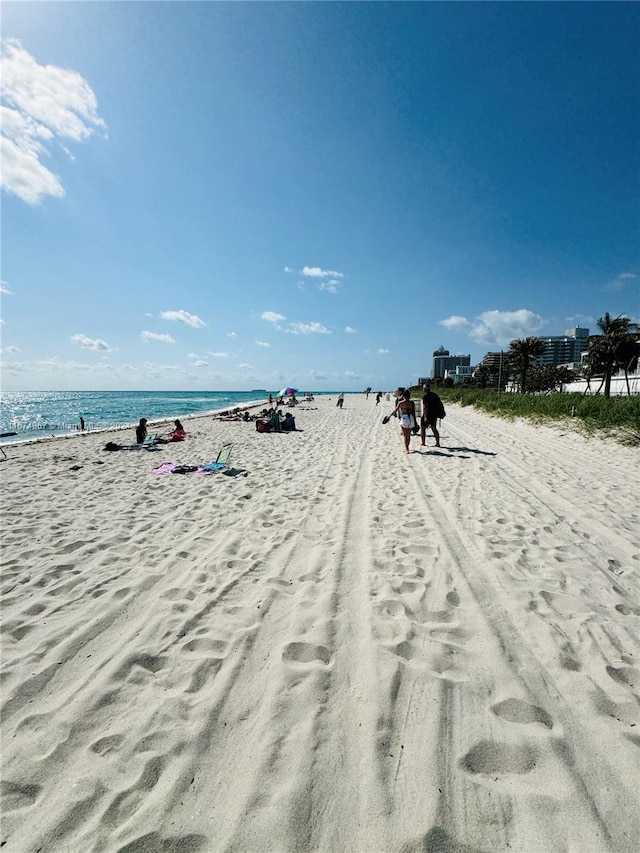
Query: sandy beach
{"x": 340, "y": 648}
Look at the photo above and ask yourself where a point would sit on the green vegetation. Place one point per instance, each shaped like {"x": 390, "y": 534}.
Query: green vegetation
{"x": 618, "y": 416}
{"x": 617, "y": 348}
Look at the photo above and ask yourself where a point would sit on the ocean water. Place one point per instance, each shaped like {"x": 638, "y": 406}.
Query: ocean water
{"x": 41, "y": 414}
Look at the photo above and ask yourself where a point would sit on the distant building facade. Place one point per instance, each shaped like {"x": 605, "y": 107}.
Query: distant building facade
{"x": 462, "y": 373}
{"x": 564, "y": 349}
{"x": 443, "y": 361}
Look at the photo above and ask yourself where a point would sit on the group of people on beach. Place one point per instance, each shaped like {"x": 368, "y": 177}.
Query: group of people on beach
{"x": 273, "y": 420}
{"x": 177, "y": 434}
{"x": 405, "y": 411}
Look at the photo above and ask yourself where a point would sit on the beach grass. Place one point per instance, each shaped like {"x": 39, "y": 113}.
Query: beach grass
{"x": 617, "y": 416}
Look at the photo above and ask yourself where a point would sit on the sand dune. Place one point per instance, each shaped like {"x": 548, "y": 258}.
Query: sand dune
{"x": 347, "y": 649}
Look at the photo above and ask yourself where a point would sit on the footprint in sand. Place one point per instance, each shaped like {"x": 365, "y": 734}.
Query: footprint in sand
{"x": 628, "y": 676}
{"x": 628, "y": 611}
{"x": 35, "y": 609}
{"x": 206, "y": 647}
{"x": 439, "y": 840}
{"x": 280, "y": 584}
{"x": 154, "y": 841}
{"x": 107, "y": 744}
{"x": 519, "y": 711}
{"x": 492, "y": 757}
{"x": 152, "y": 663}
{"x": 16, "y": 795}
{"x": 391, "y": 609}
{"x": 306, "y": 653}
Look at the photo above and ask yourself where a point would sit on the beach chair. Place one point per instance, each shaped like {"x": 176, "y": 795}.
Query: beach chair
{"x": 221, "y": 460}
{"x": 150, "y": 441}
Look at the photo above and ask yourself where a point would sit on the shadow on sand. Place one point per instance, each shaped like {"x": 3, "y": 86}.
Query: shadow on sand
{"x": 472, "y": 450}
{"x": 437, "y": 451}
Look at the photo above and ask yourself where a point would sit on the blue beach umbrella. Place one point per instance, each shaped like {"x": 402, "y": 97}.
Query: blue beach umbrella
{"x": 287, "y": 392}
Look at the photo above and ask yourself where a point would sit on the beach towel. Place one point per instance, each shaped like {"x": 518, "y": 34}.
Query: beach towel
{"x": 192, "y": 470}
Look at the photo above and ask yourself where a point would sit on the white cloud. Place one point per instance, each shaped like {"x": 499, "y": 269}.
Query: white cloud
{"x": 232, "y": 335}
{"x": 219, "y": 354}
{"x": 317, "y": 272}
{"x": 4, "y": 287}
{"x": 501, "y": 327}
{"x": 318, "y": 374}
{"x": 183, "y": 316}
{"x": 11, "y": 350}
{"x": 201, "y": 363}
{"x": 152, "y": 336}
{"x": 308, "y": 329}
{"x": 90, "y": 343}
{"x": 350, "y": 331}
{"x": 382, "y": 351}
{"x": 583, "y": 320}
{"x": 455, "y": 322}
{"x": 42, "y": 104}
{"x": 330, "y": 286}
{"x": 271, "y": 317}
{"x": 621, "y": 281}
{"x": 262, "y": 344}
{"x": 288, "y": 269}
{"x": 497, "y": 327}
{"x": 246, "y": 366}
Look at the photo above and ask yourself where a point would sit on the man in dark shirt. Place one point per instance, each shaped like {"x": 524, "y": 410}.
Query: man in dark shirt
{"x": 431, "y": 411}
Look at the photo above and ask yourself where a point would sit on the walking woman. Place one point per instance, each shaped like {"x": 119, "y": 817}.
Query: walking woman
{"x": 406, "y": 411}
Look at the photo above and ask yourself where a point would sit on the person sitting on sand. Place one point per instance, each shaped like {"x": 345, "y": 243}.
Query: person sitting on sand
{"x": 141, "y": 431}
{"x": 178, "y": 434}
{"x": 289, "y": 423}
{"x": 406, "y": 411}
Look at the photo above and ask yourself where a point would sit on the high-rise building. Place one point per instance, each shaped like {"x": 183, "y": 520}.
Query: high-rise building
{"x": 442, "y": 362}
{"x": 563, "y": 349}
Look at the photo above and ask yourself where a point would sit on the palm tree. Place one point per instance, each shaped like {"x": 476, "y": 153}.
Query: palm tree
{"x": 523, "y": 352}
{"x": 606, "y": 351}
{"x": 627, "y": 356}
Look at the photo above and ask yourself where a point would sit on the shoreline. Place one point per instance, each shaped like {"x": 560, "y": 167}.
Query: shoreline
{"x": 121, "y": 427}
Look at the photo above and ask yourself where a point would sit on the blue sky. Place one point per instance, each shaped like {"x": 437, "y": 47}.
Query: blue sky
{"x": 231, "y": 196}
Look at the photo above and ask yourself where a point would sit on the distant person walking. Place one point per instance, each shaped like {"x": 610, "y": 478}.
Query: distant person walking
{"x": 406, "y": 411}
{"x": 340, "y": 402}
{"x": 81, "y": 423}
{"x": 378, "y": 397}
{"x": 432, "y": 409}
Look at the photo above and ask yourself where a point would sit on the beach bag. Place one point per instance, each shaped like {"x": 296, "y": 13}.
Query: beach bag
{"x": 407, "y": 421}
{"x": 263, "y": 426}
{"x": 111, "y": 445}
{"x": 438, "y": 407}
